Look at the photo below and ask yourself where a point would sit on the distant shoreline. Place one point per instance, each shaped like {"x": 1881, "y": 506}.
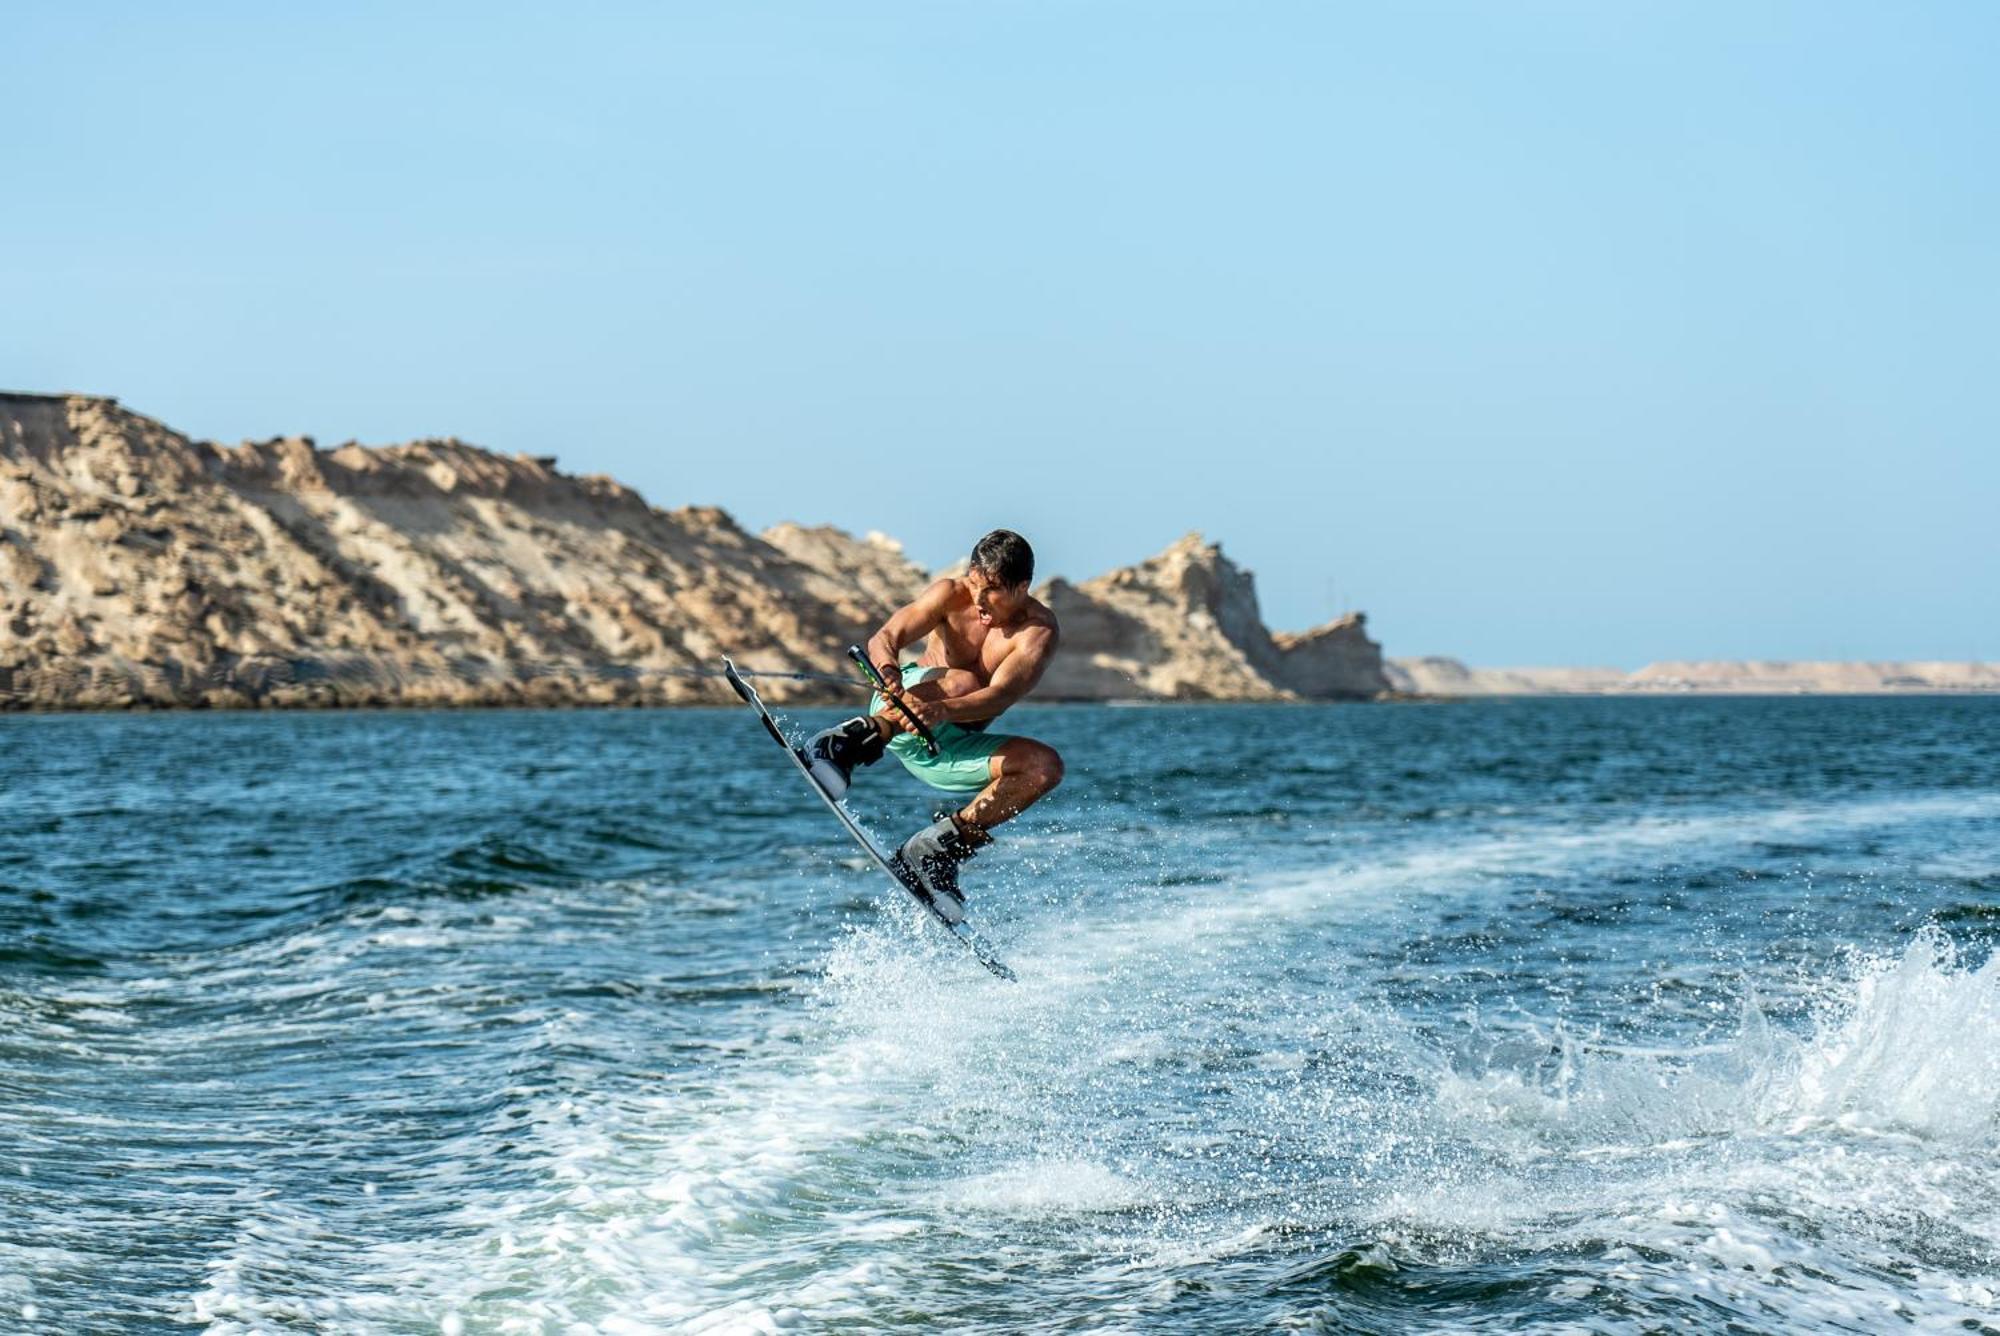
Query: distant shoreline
{"x": 10, "y": 710}
{"x": 1441, "y": 676}
{"x": 143, "y": 569}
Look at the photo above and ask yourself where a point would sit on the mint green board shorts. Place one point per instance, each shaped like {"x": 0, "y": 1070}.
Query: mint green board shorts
{"x": 965, "y": 751}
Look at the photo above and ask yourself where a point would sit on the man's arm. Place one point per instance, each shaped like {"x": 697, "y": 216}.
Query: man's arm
{"x": 1014, "y": 678}
{"x": 907, "y": 624}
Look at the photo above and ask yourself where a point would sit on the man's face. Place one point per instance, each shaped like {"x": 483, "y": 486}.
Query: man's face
{"x": 997, "y": 602}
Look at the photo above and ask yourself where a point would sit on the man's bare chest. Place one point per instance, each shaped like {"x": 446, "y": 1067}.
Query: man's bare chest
{"x": 969, "y": 643}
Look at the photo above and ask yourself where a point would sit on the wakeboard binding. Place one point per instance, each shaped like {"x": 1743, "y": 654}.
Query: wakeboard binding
{"x": 832, "y": 754}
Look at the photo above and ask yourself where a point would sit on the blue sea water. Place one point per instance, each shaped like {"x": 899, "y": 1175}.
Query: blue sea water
{"x": 1541, "y": 1016}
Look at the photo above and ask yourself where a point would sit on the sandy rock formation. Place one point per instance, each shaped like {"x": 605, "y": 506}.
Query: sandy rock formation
{"x": 1333, "y": 661}
{"x": 1440, "y": 676}
{"x": 138, "y": 567}
{"x": 873, "y": 568}
{"x": 1184, "y": 625}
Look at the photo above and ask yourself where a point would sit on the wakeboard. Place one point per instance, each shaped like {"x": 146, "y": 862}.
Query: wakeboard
{"x": 965, "y": 936}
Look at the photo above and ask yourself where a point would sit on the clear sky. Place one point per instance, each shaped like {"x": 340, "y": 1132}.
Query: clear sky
{"x": 1544, "y": 332}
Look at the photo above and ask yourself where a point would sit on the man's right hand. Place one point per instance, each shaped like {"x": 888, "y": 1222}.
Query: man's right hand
{"x": 892, "y": 679}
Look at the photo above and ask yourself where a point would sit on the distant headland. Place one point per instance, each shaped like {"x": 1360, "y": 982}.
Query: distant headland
{"x": 1751, "y": 677}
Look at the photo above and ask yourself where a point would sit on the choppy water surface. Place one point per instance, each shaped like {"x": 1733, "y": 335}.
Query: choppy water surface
{"x": 1618, "y": 1016}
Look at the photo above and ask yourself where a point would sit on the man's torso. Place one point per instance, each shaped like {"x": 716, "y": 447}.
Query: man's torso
{"x": 962, "y": 641}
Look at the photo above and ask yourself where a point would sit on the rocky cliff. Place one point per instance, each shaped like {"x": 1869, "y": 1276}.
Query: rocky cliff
{"x": 1185, "y": 625}
{"x": 140, "y": 567}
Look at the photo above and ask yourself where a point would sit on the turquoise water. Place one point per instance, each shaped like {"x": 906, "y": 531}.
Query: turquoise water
{"x": 1604, "y": 1015}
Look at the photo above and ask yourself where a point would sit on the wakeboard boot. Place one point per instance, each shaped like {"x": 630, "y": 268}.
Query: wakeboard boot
{"x": 931, "y": 858}
{"x": 832, "y": 755}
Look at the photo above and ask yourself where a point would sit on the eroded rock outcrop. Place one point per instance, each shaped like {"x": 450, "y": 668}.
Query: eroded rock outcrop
{"x": 1336, "y": 661}
{"x": 1184, "y": 625}
{"x": 873, "y": 567}
{"x": 139, "y": 567}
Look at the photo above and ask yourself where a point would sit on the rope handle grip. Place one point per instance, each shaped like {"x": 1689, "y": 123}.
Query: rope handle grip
{"x": 894, "y": 697}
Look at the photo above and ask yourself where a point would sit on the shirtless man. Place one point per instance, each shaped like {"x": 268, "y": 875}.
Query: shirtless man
{"x": 989, "y": 643}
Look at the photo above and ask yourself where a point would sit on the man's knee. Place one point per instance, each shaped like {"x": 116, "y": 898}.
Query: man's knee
{"x": 1040, "y": 764}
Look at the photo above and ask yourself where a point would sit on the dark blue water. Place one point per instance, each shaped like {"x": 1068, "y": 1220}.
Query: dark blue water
{"x": 1605, "y": 1015}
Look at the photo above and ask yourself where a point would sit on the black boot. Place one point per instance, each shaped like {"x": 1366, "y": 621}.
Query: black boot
{"x": 833, "y": 754}
{"x": 932, "y": 857}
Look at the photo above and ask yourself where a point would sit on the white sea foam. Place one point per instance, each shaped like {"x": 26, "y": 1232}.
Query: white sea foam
{"x": 1914, "y": 1047}
{"x": 1151, "y": 1093}
{"x": 1877, "y": 1125}
{"x": 1905, "y": 1044}
{"x": 1042, "y": 1188}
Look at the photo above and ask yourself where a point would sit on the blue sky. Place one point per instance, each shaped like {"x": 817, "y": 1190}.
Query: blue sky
{"x": 1544, "y": 332}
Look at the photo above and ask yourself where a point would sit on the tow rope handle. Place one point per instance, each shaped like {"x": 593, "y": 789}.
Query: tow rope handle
{"x": 894, "y": 697}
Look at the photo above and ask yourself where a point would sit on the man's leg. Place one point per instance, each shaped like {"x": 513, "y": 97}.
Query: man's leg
{"x": 1020, "y": 771}
{"x": 1023, "y": 771}
{"x": 832, "y": 754}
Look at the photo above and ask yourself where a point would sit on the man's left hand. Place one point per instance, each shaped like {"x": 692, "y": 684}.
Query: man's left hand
{"x": 932, "y": 712}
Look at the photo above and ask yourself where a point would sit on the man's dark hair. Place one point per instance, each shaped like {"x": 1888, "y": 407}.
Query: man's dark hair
{"x": 1006, "y": 556}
